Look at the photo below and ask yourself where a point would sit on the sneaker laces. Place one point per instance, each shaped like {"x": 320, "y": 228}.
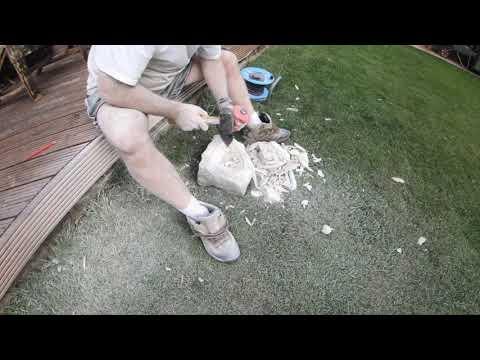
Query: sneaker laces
{"x": 215, "y": 237}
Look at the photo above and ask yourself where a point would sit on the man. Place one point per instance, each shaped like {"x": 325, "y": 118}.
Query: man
{"x": 126, "y": 82}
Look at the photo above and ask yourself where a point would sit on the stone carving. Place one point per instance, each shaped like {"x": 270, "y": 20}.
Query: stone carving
{"x": 227, "y": 168}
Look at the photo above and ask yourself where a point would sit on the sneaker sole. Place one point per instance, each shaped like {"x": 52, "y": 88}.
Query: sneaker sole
{"x": 215, "y": 257}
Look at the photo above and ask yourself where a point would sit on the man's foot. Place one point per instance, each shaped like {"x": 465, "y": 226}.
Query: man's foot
{"x": 268, "y": 131}
{"x": 213, "y": 231}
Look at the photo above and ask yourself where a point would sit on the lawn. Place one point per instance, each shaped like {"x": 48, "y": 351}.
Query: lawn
{"x": 395, "y": 112}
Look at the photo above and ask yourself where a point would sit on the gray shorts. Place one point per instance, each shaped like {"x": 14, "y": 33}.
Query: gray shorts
{"x": 93, "y": 102}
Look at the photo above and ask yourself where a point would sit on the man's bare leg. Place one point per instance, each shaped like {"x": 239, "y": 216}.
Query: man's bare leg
{"x": 127, "y": 131}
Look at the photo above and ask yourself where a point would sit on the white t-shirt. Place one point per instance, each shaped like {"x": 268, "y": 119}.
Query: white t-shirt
{"x": 152, "y": 66}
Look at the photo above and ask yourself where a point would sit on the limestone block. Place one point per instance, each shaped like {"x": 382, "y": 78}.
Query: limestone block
{"x": 227, "y": 168}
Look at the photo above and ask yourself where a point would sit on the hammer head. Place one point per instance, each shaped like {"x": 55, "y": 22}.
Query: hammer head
{"x": 226, "y": 127}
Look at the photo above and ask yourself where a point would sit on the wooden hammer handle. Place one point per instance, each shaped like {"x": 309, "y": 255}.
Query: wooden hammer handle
{"x": 212, "y": 120}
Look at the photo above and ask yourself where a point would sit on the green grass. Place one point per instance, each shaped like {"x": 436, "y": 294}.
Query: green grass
{"x": 395, "y": 112}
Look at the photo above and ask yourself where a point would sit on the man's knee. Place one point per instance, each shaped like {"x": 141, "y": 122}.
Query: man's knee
{"x": 230, "y": 61}
{"x": 126, "y": 130}
{"x": 129, "y": 143}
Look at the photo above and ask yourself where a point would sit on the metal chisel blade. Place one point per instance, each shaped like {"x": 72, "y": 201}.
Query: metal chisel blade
{"x": 226, "y": 128}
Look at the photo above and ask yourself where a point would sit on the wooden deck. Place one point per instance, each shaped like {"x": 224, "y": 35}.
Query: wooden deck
{"x": 36, "y": 192}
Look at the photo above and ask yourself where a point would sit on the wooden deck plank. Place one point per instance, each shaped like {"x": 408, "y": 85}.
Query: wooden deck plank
{"x": 32, "y": 112}
{"x": 41, "y": 118}
{"x": 23, "y": 192}
{"x": 60, "y": 71}
{"x": 60, "y": 141}
{"x": 43, "y": 130}
{"x": 38, "y": 168}
{"x": 9, "y": 199}
{"x": 12, "y": 210}
{"x": 25, "y": 234}
{"x": 4, "y": 225}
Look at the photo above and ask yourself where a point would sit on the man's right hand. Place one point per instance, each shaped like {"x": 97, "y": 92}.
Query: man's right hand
{"x": 190, "y": 117}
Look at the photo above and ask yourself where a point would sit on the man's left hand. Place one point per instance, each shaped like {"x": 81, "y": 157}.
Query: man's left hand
{"x": 225, "y": 108}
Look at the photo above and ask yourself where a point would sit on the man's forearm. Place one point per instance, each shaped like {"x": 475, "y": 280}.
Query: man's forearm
{"x": 135, "y": 97}
{"x": 214, "y": 74}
